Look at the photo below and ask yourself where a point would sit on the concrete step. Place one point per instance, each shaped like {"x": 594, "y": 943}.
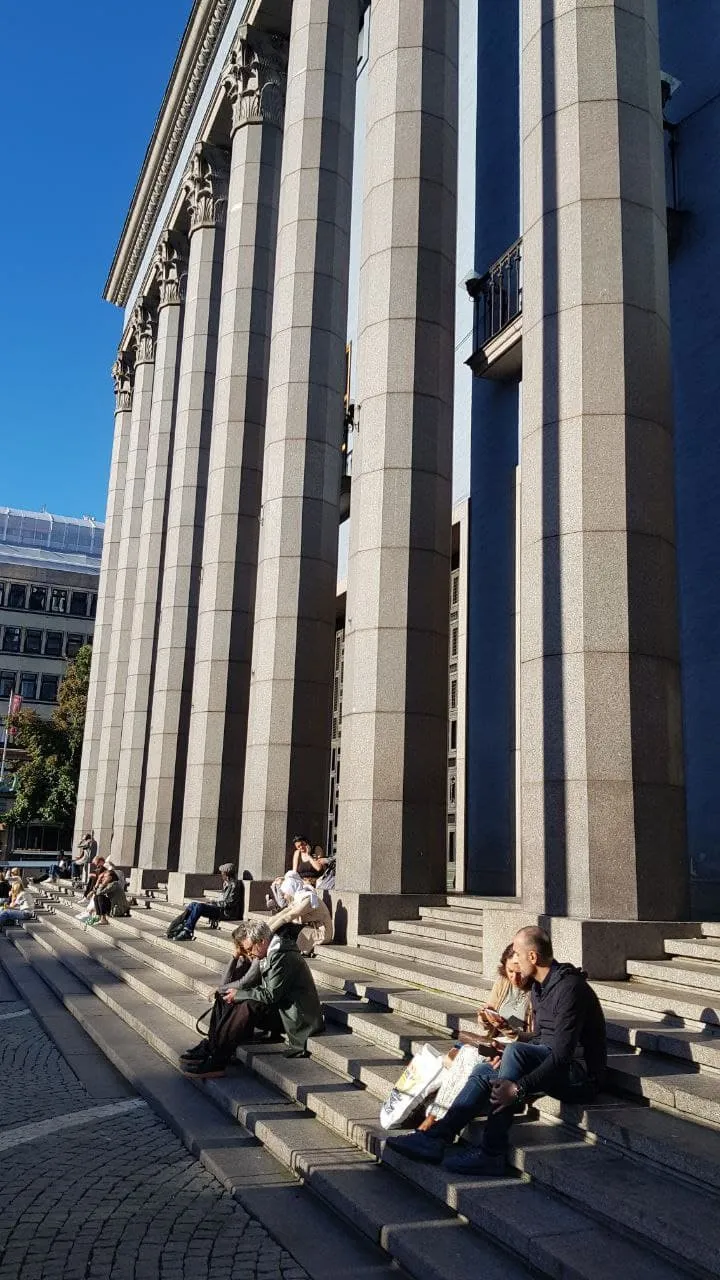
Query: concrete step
{"x": 454, "y": 915}
{"x": 677, "y": 1005}
{"x": 447, "y": 931}
{"x": 544, "y": 1147}
{"x": 349, "y": 1113}
{"x": 710, "y": 928}
{"x": 694, "y": 1043}
{"x": 684, "y": 973}
{"x": 404, "y": 972}
{"x": 660, "y": 1080}
{"x": 454, "y": 959}
{"x": 351, "y": 1182}
{"x": 690, "y": 1149}
{"x": 705, "y": 949}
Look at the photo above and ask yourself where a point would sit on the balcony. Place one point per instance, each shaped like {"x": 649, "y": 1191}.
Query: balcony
{"x": 497, "y": 330}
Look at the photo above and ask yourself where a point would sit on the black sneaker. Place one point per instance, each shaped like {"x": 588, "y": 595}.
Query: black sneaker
{"x": 296, "y": 1053}
{"x": 197, "y": 1054}
{"x": 205, "y": 1069}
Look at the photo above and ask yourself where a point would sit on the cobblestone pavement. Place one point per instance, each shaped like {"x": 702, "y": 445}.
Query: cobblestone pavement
{"x": 113, "y": 1197}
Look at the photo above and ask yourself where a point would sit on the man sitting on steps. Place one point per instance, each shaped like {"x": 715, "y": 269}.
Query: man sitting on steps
{"x": 230, "y": 907}
{"x": 284, "y": 996}
{"x": 568, "y": 1061}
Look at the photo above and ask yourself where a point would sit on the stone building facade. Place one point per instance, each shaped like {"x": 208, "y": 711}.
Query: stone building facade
{"x": 430, "y": 238}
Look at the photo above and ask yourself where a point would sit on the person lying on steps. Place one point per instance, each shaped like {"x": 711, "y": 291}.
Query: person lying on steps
{"x": 283, "y": 997}
{"x": 568, "y": 1061}
{"x": 301, "y": 905}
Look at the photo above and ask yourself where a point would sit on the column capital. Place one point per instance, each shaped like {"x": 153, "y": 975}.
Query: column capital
{"x": 255, "y": 78}
{"x": 205, "y": 187}
{"x": 122, "y": 376}
{"x": 170, "y": 264}
{"x": 143, "y": 329}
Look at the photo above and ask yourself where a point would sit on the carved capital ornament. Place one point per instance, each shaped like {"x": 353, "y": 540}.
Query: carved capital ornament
{"x": 143, "y": 324}
{"x": 206, "y": 186}
{"x": 255, "y": 78}
{"x": 171, "y": 267}
{"x": 122, "y": 372}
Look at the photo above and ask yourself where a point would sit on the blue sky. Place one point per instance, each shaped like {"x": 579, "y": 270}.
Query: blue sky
{"x": 79, "y": 94}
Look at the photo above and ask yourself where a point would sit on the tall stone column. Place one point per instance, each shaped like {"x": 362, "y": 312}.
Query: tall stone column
{"x": 170, "y": 269}
{"x": 603, "y": 832}
{"x": 122, "y": 374}
{"x": 206, "y": 196}
{"x": 254, "y": 81}
{"x": 288, "y": 747}
{"x": 143, "y": 324}
{"x": 393, "y": 797}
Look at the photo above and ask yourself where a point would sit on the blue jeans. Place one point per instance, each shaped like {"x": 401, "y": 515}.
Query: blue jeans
{"x": 197, "y": 909}
{"x": 14, "y": 915}
{"x": 569, "y": 1083}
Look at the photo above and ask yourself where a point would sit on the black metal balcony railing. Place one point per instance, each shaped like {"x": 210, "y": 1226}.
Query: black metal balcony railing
{"x": 498, "y": 295}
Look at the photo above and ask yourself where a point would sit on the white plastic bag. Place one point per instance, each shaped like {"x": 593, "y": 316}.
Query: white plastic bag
{"x": 453, "y": 1080}
{"x": 416, "y": 1083}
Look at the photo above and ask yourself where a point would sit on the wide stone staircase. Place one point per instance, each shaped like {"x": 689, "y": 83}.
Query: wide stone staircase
{"x": 629, "y": 1187}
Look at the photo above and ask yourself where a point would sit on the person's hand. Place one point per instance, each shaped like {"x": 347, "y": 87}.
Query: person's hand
{"x": 229, "y": 997}
{"x": 491, "y": 1019}
{"x": 495, "y": 1062}
{"x": 503, "y": 1094}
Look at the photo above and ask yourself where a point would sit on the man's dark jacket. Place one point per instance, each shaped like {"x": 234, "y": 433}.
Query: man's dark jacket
{"x": 567, "y": 1017}
{"x": 286, "y": 984}
{"x": 232, "y": 902}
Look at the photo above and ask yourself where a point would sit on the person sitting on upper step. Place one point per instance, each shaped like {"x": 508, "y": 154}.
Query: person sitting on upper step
{"x": 230, "y": 907}
{"x": 284, "y": 997}
{"x": 301, "y": 905}
{"x": 567, "y": 1061}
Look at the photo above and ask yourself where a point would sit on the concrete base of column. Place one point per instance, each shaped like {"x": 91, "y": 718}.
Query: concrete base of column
{"x": 142, "y": 878}
{"x": 601, "y": 947}
{"x": 362, "y": 913}
{"x": 190, "y": 884}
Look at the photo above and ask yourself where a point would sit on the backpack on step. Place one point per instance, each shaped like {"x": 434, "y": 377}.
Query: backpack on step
{"x": 176, "y": 926}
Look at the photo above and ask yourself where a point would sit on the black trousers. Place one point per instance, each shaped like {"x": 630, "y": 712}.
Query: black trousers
{"x": 234, "y": 1024}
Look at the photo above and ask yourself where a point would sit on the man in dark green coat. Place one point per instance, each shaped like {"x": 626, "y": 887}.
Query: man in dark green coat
{"x": 286, "y": 984}
{"x": 283, "y": 995}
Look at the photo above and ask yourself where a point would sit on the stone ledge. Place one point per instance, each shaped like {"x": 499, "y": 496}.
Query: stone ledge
{"x": 601, "y": 947}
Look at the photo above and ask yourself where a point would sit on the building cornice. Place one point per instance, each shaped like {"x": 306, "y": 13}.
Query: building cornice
{"x": 203, "y": 31}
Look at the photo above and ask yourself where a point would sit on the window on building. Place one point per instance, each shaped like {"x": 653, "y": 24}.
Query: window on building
{"x": 49, "y": 688}
{"x": 7, "y": 683}
{"x": 79, "y": 604}
{"x": 38, "y": 599}
{"x": 58, "y": 600}
{"x": 2, "y": 593}
{"x": 11, "y": 640}
{"x": 33, "y": 641}
{"x": 73, "y": 644}
{"x": 453, "y": 639}
{"x": 17, "y": 592}
{"x": 53, "y": 644}
{"x": 93, "y": 604}
{"x": 453, "y": 735}
{"x": 28, "y": 686}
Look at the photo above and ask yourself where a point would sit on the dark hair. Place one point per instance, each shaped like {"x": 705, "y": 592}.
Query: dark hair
{"x": 300, "y": 840}
{"x": 240, "y": 934}
{"x": 504, "y": 959}
{"x": 537, "y": 940}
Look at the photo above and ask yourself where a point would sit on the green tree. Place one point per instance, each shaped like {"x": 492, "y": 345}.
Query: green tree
{"x": 47, "y": 779}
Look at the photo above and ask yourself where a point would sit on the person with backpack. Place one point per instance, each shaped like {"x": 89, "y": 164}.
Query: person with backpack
{"x": 230, "y": 907}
